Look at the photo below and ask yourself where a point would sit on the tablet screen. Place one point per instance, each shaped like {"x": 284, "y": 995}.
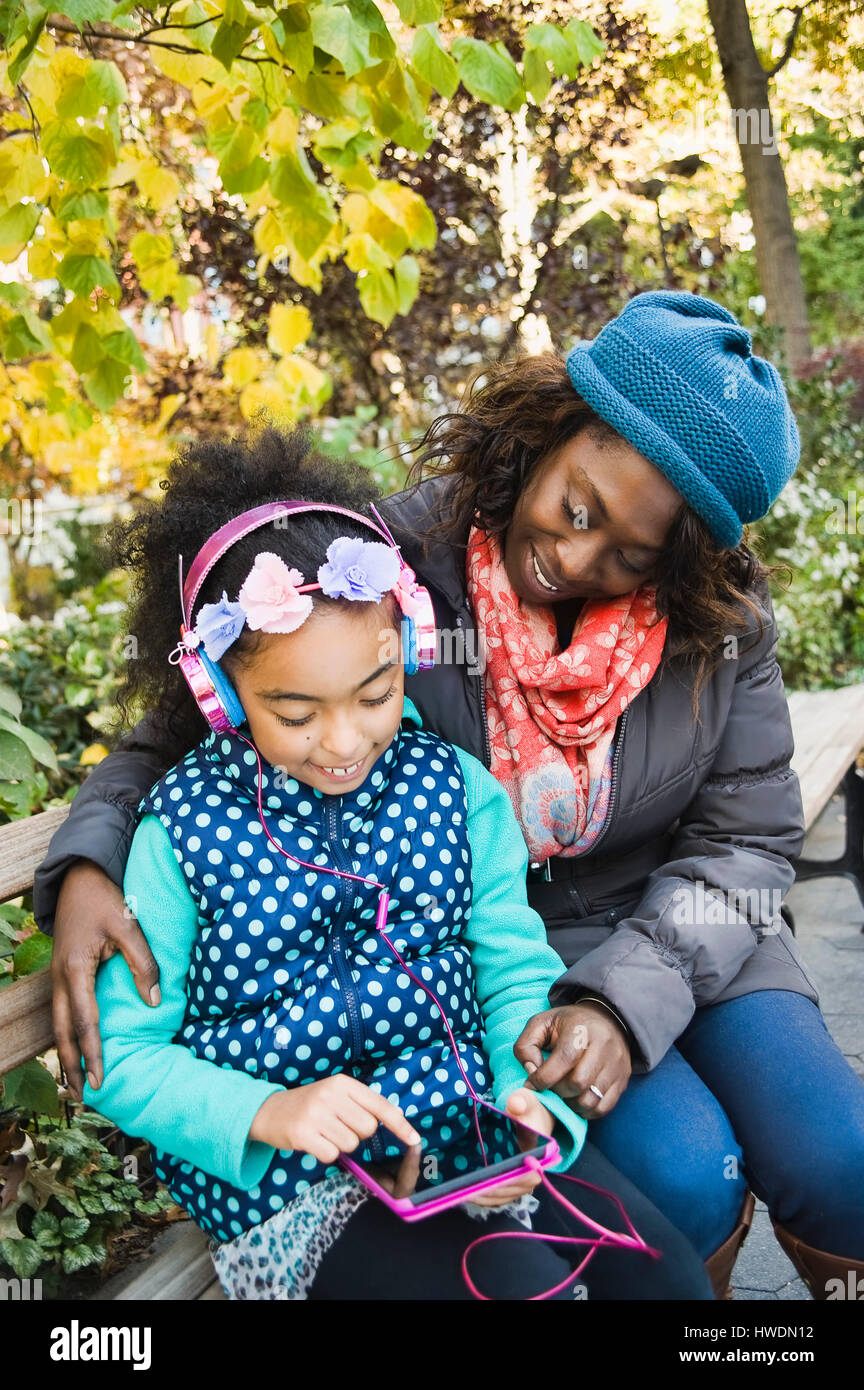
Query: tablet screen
{"x": 453, "y": 1158}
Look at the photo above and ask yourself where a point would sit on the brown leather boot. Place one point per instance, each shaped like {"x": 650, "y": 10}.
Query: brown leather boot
{"x": 722, "y": 1262}
{"x": 826, "y": 1276}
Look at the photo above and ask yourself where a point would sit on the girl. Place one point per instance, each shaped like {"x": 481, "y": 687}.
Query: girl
{"x": 287, "y": 1032}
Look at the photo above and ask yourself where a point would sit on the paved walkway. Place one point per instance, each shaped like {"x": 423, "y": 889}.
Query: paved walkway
{"x": 828, "y": 920}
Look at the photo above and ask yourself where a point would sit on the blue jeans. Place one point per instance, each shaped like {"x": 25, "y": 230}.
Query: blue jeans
{"x": 755, "y": 1093}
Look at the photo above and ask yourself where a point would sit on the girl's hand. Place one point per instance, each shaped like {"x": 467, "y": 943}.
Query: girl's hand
{"x": 586, "y": 1047}
{"x": 328, "y": 1118}
{"x": 92, "y": 923}
{"x": 525, "y": 1106}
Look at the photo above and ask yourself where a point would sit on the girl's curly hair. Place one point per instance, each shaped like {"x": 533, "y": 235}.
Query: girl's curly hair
{"x": 210, "y": 482}
{"x": 514, "y": 415}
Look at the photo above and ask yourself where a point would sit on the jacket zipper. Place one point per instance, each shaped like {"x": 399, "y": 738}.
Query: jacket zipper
{"x": 613, "y": 788}
{"x": 484, "y": 725}
{"x": 337, "y": 949}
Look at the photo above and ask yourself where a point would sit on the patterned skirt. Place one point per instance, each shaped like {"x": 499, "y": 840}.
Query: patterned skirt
{"x": 279, "y": 1258}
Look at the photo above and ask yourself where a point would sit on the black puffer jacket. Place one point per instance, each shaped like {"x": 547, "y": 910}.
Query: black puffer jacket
{"x": 675, "y": 904}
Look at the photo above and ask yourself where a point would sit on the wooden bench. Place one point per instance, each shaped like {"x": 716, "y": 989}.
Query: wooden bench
{"x": 829, "y": 734}
{"x": 828, "y": 727}
{"x": 179, "y": 1266}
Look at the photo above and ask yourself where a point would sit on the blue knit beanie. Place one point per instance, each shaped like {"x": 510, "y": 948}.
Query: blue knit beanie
{"x": 675, "y": 375}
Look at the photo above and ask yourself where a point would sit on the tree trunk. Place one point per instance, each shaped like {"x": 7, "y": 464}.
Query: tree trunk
{"x": 777, "y": 260}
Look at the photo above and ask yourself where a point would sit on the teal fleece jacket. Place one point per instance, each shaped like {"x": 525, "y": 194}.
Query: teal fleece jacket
{"x": 156, "y": 1088}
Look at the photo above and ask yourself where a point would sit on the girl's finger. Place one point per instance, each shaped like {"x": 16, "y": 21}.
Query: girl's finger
{"x": 339, "y": 1134}
{"x": 389, "y": 1115}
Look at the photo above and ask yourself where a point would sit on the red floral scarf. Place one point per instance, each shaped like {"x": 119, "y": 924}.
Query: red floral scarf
{"x": 552, "y": 714}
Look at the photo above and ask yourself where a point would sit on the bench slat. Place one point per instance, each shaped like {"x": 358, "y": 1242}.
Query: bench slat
{"x": 25, "y": 1020}
{"x": 23, "y": 846}
{"x": 828, "y": 728}
{"x": 182, "y": 1273}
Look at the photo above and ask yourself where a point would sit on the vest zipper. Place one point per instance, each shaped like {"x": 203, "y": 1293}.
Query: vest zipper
{"x": 487, "y": 747}
{"x": 337, "y": 951}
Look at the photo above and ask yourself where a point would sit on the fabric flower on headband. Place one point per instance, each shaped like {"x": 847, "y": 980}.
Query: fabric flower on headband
{"x": 219, "y": 625}
{"x": 269, "y": 596}
{"x": 358, "y": 569}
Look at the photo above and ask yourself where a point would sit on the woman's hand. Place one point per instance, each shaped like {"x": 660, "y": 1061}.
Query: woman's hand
{"x": 525, "y": 1106}
{"x": 92, "y": 923}
{"x": 328, "y": 1118}
{"x": 586, "y": 1047}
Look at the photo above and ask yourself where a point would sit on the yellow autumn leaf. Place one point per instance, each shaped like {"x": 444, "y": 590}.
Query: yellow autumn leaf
{"x": 289, "y": 325}
{"x": 168, "y": 407}
{"x": 159, "y": 186}
{"x": 93, "y": 754}
{"x": 270, "y": 395}
{"x": 242, "y": 366}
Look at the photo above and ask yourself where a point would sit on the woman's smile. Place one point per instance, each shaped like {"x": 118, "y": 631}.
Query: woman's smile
{"x": 591, "y": 523}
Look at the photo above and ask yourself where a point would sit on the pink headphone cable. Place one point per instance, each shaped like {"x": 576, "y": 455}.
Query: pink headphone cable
{"x": 605, "y": 1236}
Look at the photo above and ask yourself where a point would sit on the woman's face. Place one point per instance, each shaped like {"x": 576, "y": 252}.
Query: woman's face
{"x": 591, "y": 523}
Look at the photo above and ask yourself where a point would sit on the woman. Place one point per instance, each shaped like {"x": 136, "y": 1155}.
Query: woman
{"x": 585, "y": 537}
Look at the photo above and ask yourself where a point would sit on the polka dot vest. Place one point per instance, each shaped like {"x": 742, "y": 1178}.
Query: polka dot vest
{"x": 288, "y": 979}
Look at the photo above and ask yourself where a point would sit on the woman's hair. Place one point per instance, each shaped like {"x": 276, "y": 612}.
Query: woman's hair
{"x": 514, "y": 415}
{"x": 210, "y": 482}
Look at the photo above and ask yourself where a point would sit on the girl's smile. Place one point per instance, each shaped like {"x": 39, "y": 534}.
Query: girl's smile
{"x": 323, "y": 703}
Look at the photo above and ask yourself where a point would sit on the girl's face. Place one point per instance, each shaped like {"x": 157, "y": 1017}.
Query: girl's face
{"x": 325, "y": 702}
{"x": 590, "y": 523}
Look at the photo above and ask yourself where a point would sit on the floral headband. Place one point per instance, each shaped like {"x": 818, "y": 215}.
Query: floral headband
{"x": 274, "y": 598}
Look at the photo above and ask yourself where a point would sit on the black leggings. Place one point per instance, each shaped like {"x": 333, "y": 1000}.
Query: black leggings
{"x": 379, "y": 1256}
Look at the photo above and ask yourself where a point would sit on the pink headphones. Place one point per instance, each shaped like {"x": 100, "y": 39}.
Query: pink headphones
{"x": 214, "y": 694}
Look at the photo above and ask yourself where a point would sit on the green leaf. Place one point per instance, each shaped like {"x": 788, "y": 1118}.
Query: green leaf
{"x": 433, "y": 64}
{"x": 77, "y": 1257}
{"x": 299, "y": 50}
{"x": 87, "y": 350}
{"x": 335, "y": 30}
{"x": 19, "y": 65}
{"x": 47, "y": 1235}
{"x": 248, "y": 179}
{"x": 73, "y": 1227}
{"x": 378, "y": 296}
{"x": 15, "y": 295}
{"x": 536, "y": 75}
{"x": 85, "y": 94}
{"x": 93, "y": 1202}
{"x": 233, "y": 31}
{"x": 407, "y": 272}
{"x": 588, "y": 46}
{"x": 416, "y": 12}
{"x": 81, "y": 154}
{"x": 381, "y": 42}
{"x": 18, "y": 223}
{"x": 15, "y": 760}
{"x": 124, "y": 346}
{"x": 82, "y": 207}
{"x": 82, "y": 274}
{"x": 488, "y": 74}
{"x": 10, "y": 701}
{"x": 33, "y": 954}
{"x": 23, "y": 1256}
{"x": 24, "y": 336}
{"x": 83, "y": 12}
{"x": 104, "y": 386}
{"x": 44, "y": 1223}
{"x": 557, "y": 46}
{"x": 31, "y": 1087}
{"x": 39, "y": 746}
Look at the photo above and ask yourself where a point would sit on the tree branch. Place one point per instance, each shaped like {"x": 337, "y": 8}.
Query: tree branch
{"x": 798, "y": 11}
{"x": 108, "y": 32}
